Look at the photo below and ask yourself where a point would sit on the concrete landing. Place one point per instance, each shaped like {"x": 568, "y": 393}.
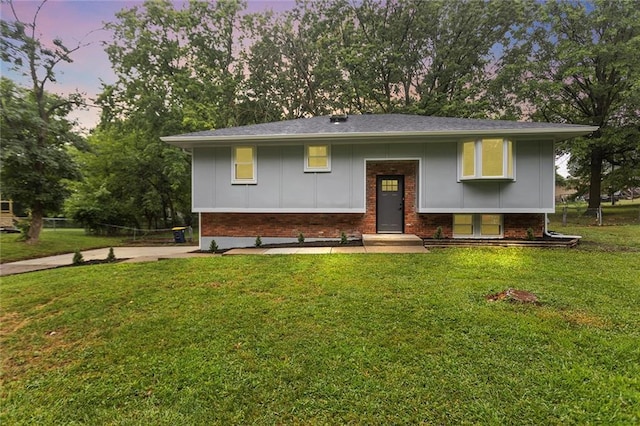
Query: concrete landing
{"x": 369, "y": 240}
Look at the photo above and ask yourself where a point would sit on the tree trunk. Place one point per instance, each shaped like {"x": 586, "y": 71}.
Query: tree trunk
{"x": 33, "y": 236}
{"x": 595, "y": 184}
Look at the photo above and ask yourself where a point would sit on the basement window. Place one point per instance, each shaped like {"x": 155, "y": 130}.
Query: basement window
{"x": 478, "y": 226}
{"x": 244, "y": 165}
{"x": 317, "y": 158}
{"x": 486, "y": 159}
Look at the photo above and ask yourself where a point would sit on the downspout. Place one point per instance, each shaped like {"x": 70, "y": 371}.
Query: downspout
{"x": 552, "y": 234}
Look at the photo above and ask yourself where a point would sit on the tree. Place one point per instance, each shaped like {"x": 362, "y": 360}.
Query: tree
{"x": 176, "y": 73}
{"x": 130, "y": 184}
{"x": 426, "y": 57}
{"x": 584, "y": 68}
{"x": 292, "y": 65}
{"x": 35, "y": 130}
{"x": 36, "y": 162}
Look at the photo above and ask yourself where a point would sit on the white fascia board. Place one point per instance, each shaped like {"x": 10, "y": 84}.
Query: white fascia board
{"x": 554, "y": 133}
{"x": 274, "y": 210}
{"x": 486, "y": 210}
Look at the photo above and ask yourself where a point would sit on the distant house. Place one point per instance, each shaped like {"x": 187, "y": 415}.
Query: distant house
{"x": 7, "y": 219}
{"x": 361, "y": 174}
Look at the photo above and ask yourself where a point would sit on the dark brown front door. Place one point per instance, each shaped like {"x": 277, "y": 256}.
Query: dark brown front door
{"x": 390, "y": 204}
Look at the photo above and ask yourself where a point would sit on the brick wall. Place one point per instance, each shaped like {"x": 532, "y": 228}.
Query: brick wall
{"x": 331, "y": 225}
{"x": 407, "y": 168}
{"x": 429, "y": 223}
{"x": 516, "y": 225}
{"x": 312, "y": 225}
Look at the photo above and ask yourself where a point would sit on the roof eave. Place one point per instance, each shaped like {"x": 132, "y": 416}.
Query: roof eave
{"x": 555, "y": 133}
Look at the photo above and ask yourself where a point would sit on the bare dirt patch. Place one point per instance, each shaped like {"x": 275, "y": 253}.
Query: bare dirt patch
{"x": 514, "y": 296}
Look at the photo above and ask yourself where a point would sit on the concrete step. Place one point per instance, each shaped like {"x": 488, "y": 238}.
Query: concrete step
{"x": 369, "y": 240}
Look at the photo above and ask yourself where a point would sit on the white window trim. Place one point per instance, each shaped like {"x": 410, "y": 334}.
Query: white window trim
{"x": 235, "y": 181}
{"x": 308, "y": 169}
{"x": 478, "y": 161}
{"x": 477, "y": 228}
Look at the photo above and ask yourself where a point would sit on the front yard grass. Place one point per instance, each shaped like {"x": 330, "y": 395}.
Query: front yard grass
{"x": 52, "y": 242}
{"x": 326, "y": 339}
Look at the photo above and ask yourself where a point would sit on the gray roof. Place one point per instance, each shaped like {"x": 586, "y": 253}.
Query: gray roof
{"x": 375, "y": 126}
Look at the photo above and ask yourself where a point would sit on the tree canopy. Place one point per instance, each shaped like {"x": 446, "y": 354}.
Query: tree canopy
{"x": 36, "y": 132}
{"x": 584, "y": 68}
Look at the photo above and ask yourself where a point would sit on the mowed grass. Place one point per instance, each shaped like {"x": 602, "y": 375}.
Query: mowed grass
{"x": 624, "y": 212}
{"x": 620, "y": 228}
{"x": 52, "y": 242}
{"x": 327, "y": 339}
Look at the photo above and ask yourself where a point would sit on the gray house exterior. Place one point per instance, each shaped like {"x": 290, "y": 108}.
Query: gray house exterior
{"x": 392, "y": 173}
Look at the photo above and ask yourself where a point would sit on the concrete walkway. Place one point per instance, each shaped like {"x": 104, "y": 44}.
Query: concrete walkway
{"x": 150, "y": 254}
{"x": 132, "y": 254}
{"x": 328, "y": 250}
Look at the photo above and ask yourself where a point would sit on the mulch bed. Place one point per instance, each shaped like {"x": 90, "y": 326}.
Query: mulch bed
{"x": 540, "y": 242}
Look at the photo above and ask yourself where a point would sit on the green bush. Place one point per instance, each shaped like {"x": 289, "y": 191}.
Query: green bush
{"x": 258, "y": 241}
{"x": 300, "y": 238}
{"x": 24, "y": 226}
{"x": 343, "y": 238}
{"x": 438, "y": 234}
{"x": 111, "y": 257}
{"x": 213, "y": 247}
{"x": 530, "y": 235}
{"x": 77, "y": 258}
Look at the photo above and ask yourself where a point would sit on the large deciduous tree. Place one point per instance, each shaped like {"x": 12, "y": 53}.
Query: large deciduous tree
{"x": 426, "y": 57}
{"x": 177, "y": 72}
{"x": 35, "y": 130}
{"x": 584, "y": 68}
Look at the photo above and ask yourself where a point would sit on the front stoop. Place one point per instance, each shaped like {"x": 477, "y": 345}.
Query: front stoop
{"x": 369, "y": 240}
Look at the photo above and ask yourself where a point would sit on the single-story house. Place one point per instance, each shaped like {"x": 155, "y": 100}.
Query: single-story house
{"x": 373, "y": 173}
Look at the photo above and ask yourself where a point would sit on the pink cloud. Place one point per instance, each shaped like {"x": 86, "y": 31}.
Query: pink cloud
{"x": 79, "y": 22}
{"x": 75, "y": 23}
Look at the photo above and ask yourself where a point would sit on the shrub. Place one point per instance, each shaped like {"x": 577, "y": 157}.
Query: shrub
{"x": 343, "y": 238}
{"x": 213, "y": 247}
{"x": 438, "y": 234}
{"x": 111, "y": 257}
{"x": 530, "y": 235}
{"x": 77, "y": 258}
{"x": 300, "y": 238}
{"x": 23, "y": 225}
{"x": 258, "y": 241}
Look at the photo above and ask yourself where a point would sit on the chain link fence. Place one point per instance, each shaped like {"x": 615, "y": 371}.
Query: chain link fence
{"x": 570, "y": 214}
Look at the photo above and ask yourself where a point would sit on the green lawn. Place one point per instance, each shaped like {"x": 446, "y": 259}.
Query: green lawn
{"x": 624, "y": 212}
{"x": 59, "y": 241}
{"x": 52, "y": 242}
{"x": 327, "y": 339}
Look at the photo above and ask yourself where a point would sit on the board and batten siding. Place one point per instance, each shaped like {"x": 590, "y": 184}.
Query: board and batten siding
{"x": 531, "y": 191}
{"x": 283, "y": 186}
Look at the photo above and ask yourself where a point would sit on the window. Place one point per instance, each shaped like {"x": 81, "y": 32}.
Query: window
{"x": 244, "y": 164}
{"x": 462, "y": 224}
{"x": 389, "y": 185}
{"x": 491, "y": 225}
{"x": 486, "y": 159}
{"x": 317, "y": 158}
{"x": 477, "y": 226}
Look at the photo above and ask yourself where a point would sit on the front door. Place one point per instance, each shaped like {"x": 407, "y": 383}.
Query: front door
{"x": 390, "y": 204}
